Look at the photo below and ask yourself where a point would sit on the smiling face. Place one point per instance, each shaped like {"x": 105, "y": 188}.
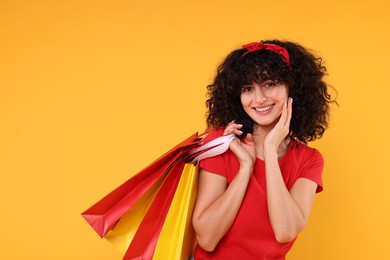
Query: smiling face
{"x": 263, "y": 102}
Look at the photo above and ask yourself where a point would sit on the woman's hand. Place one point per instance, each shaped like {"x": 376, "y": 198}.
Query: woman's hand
{"x": 279, "y": 133}
{"x": 245, "y": 151}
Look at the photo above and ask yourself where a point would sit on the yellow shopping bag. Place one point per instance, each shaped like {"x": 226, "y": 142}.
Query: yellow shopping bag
{"x": 123, "y": 232}
{"x": 177, "y": 239}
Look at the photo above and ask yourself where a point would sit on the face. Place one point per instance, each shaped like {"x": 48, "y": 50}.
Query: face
{"x": 263, "y": 102}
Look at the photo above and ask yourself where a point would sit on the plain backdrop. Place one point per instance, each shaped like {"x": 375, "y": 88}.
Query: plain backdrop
{"x": 93, "y": 91}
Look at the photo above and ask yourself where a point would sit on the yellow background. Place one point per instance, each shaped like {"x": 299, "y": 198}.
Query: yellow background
{"x": 93, "y": 91}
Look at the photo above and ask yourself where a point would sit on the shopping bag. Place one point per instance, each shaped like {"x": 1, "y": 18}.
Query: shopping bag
{"x": 132, "y": 216}
{"x": 124, "y": 230}
{"x": 103, "y": 215}
{"x": 145, "y": 239}
{"x": 148, "y": 234}
{"x": 177, "y": 239}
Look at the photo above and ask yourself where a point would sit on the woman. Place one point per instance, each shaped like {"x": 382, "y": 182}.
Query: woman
{"x": 255, "y": 199}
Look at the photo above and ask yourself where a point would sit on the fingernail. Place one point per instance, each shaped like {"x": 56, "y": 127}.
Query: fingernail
{"x": 239, "y": 125}
{"x": 291, "y": 99}
{"x": 285, "y": 104}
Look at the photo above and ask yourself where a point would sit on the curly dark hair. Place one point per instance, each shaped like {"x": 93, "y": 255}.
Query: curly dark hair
{"x": 304, "y": 80}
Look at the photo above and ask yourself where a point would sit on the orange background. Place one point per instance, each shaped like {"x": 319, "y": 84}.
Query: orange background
{"x": 93, "y": 91}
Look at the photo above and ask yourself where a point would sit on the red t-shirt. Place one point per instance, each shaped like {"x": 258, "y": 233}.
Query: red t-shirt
{"x": 251, "y": 235}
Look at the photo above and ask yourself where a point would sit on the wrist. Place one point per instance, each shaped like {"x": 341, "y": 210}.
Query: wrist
{"x": 246, "y": 167}
{"x": 270, "y": 154}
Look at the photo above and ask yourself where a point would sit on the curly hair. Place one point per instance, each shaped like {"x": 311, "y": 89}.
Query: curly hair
{"x": 304, "y": 80}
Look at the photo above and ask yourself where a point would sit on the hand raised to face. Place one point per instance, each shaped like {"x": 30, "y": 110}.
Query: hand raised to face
{"x": 280, "y": 131}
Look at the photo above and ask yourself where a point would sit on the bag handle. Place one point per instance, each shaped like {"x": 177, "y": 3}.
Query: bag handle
{"x": 215, "y": 147}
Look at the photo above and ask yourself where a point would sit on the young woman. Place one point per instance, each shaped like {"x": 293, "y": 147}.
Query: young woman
{"x": 254, "y": 199}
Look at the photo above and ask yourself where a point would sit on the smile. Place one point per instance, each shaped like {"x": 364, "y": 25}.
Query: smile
{"x": 262, "y": 109}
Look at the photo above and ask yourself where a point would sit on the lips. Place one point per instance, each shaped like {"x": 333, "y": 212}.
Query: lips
{"x": 263, "y": 109}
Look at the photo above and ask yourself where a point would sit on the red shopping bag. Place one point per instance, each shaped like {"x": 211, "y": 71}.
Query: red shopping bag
{"x": 103, "y": 215}
{"x": 141, "y": 241}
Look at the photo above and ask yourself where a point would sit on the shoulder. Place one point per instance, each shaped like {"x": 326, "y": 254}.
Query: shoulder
{"x": 300, "y": 157}
{"x": 307, "y": 162}
{"x": 305, "y": 154}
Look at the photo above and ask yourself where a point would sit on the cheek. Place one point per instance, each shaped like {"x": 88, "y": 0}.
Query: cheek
{"x": 283, "y": 97}
{"x": 282, "y": 93}
{"x": 245, "y": 100}
{"x": 246, "y": 104}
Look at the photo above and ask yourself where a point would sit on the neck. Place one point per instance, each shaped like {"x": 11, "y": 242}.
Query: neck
{"x": 260, "y": 132}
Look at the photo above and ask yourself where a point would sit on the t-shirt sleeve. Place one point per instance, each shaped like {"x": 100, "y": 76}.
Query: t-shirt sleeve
{"x": 313, "y": 171}
{"x": 214, "y": 165}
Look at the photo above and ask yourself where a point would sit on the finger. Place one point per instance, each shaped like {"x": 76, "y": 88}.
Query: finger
{"x": 229, "y": 131}
{"x": 233, "y": 128}
{"x": 289, "y": 112}
{"x": 249, "y": 139}
{"x": 238, "y": 132}
{"x": 283, "y": 117}
{"x": 234, "y": 144}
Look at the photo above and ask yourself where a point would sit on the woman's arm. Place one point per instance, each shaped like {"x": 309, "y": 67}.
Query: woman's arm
{"x": 288, "y": 210}
{"x": 217, "y": 206}
{"x": 218, "y": 203}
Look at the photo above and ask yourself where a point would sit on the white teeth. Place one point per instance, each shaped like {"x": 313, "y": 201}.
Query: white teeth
{"x": 258, "y": 109}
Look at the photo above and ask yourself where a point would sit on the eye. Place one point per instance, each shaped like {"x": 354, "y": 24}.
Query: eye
{"x": 270, "y": 84}
{"x": 246, "y": 88}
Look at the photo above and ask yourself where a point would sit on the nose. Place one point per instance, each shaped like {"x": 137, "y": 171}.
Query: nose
{"x": 259, "y": 96}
